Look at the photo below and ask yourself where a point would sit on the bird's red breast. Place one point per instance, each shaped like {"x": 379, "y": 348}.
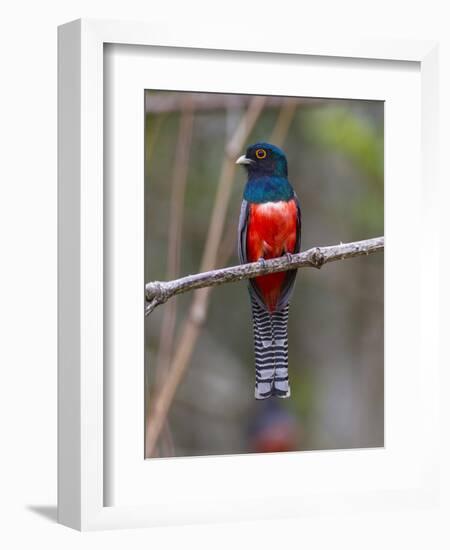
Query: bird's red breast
{"x": 271, "y": 232}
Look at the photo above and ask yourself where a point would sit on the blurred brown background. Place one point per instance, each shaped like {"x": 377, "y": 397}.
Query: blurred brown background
{"x": 199, "y": 365}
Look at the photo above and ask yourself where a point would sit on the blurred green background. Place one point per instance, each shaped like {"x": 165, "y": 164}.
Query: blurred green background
{"x": 335, "y": 155}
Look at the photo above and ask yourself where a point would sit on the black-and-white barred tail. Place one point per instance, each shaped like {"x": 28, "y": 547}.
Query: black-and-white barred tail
{"x": 271, "y": 351}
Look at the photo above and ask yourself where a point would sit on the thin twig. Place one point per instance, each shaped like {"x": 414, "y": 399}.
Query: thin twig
{"x": 287, "y": 112}
{"x": 159, "y": 292}
{"x": 179, "y": 180}
{"x": 174, "y": 238}
{"x": 150, "y": 148}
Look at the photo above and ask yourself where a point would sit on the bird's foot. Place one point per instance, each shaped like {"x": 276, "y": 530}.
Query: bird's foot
{"x": 262, "y": 261}
{"x": 288, "y": 255}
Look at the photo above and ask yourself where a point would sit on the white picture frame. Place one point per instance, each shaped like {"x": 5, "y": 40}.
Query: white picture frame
{"x": 82, "y": 484}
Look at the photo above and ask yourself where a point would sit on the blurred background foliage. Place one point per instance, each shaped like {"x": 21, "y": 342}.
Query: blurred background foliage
{"x": 335, "y": 154}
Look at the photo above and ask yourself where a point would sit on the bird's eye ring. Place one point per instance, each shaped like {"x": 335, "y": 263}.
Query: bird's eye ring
{"x": 261, "y": 154}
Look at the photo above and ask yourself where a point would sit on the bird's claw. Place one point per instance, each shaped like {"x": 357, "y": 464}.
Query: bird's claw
{"x": 288, "y": 256}
{"x": 262, "y": 261}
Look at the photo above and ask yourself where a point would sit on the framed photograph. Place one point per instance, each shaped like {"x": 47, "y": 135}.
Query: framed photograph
{"x": 208, "y": 369}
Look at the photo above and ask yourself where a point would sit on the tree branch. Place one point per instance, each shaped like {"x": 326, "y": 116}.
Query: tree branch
{"x": 158, "y": 292}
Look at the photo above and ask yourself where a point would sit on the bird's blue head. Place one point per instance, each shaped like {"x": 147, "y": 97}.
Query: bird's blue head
{"x": 267, "y": 174}
{"x": 264, "y": 159}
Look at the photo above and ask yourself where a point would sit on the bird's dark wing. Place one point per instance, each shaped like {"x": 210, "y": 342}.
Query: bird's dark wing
{"x": 242, "y": 232}
{"x": 242, "y": 250}
{"x": 289, "y": 281}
